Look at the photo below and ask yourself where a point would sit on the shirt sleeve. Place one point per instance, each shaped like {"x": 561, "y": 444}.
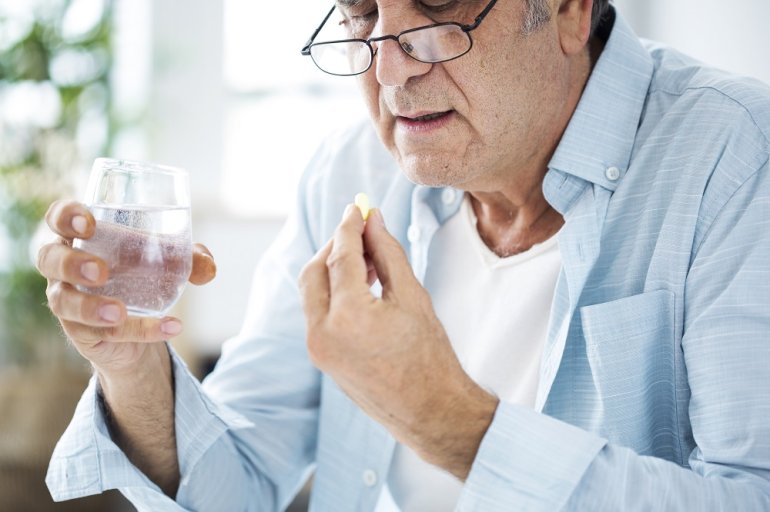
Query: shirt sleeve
{"x": 529, "y": 461}
{"x": 86, "y": 461}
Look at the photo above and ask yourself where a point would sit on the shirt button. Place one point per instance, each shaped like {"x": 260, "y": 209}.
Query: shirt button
{"x": 369, "y": 477}
{"x": 448, "y": 196}
{"x": 612, "y": 173}
{"x": 413, "y": 234}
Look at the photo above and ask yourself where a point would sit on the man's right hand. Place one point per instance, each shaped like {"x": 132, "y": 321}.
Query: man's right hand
{"x": 98, "y": 326}
{"x": 133, "y": 366}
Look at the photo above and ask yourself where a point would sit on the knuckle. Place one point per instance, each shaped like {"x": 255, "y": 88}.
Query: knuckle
{"x": 306, "y": 274}
{"x": 143, "y": 329}
{"x": 50, "y": 214}
{"x": 337, "y": 259}
{"x": 54, "y": 296}
{"x": 142, "y": 332}
{"x": 42, "y": 257}
{"x": 62, "y": 264}
{"x": 109, "y": 333}
{"x": 67, "y": 263}
{"x": 58, "y": 215}
{"x": 88, "y": 307}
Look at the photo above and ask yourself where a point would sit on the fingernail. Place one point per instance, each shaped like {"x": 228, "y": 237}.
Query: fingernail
{"x": 79, "y": 224}
{"x": 90, "y": 271}
{"x": 348, "y": 209}
{"x": 110, "y": 312}
{"x": 171, "y": 327}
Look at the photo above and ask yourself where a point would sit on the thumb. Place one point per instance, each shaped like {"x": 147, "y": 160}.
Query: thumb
{"x": 204, "y": 268}
{"x": 388, "y": 257}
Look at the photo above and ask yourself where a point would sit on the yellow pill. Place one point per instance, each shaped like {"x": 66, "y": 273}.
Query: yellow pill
{"x": 362, "y": 201}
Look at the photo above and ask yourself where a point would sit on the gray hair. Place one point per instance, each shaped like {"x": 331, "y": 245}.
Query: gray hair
{"x": 538, "y": 13}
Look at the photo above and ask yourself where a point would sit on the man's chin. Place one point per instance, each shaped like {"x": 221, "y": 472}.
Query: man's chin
{"x": 430, "y": 172}
{"x": 427, "y": 180}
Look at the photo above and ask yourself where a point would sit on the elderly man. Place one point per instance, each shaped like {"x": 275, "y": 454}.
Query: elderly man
{"x": 569, "y": 307}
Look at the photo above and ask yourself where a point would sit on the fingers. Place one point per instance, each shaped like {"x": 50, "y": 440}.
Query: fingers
{"x": 390, "y": 262}
{"x": 204, "y": 267}
{"x": 371, "y": 272}
{"x": 133, "y": 330}
{"x": 89, "y": 319}
{"x": 314, "y": 285}
{"x": 347, "y": 266}
{"x": 70, "y": 220}
{"x": 59, "y": 262}
{"x": 71, "y": 305}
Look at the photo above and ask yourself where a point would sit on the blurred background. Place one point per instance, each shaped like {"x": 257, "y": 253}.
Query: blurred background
{"x": 220, "y": 89}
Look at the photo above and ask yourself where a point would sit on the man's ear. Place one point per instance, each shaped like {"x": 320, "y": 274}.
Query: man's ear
{"x": 574, "y": 24}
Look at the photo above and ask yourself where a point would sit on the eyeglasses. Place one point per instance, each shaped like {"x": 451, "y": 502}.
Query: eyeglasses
{"x": 439, "y": 42}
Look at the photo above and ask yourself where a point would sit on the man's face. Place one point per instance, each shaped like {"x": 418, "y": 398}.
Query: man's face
{"x": 473, "y": 121}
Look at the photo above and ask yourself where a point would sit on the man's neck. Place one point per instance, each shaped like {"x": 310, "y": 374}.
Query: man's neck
{"x": 508, "y": 229}
{"x": 515, "y": 216}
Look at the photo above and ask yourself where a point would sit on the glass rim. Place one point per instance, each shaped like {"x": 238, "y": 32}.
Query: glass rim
{"x": 138, "y": 167}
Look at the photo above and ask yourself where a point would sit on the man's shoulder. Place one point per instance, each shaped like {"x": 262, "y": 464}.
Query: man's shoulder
{"x": 703, "y": 94}
{"x": 704, "y": 133}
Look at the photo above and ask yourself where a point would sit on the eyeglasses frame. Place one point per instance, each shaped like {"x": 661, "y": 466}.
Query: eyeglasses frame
{"x": 467, "y": 28}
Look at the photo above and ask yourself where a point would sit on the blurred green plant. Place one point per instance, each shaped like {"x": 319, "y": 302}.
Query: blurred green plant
{"x": 54, "y": 115}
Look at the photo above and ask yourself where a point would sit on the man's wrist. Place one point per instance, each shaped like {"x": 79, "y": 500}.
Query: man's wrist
{"x": 154, "y": 366}
{"x": 451, "y": 439}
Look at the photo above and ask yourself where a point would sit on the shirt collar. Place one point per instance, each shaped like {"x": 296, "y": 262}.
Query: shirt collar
{"x": 599, "y": 138}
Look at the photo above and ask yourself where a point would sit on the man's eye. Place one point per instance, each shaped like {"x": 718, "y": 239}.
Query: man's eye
{"x": 366, "y": 17}
{"x": 353, "y": 17}
{"x": 359, "y": 25}
{"x": 439, "y": 6}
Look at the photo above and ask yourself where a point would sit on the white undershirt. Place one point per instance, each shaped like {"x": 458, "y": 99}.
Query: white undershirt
{"x": 495, "y": 312}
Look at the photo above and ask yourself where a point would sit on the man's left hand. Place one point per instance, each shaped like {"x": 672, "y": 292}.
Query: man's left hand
{"x": 391, "y": 355}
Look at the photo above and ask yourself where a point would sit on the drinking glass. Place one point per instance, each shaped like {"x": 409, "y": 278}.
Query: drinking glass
{"x": 143, "y": 233}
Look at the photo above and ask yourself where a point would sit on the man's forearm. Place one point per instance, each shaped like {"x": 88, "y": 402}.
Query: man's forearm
{"x": 140, "y": 414}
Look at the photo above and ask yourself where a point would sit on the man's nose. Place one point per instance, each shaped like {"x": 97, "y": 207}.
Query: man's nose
{"x": 393, "y": 66}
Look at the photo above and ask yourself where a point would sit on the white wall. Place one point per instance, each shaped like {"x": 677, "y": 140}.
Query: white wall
{"x": 729, "y": 34}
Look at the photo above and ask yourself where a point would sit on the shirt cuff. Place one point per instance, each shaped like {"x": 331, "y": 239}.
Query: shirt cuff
{"x": 527, "y": 461}
{"x": 86, "y": 461}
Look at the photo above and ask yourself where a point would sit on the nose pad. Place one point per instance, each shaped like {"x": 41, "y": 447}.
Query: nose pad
{"x": 406, "y": 46}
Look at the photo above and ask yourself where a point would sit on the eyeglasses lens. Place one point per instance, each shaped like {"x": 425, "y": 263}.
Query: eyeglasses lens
{"x": 437, "y": 43}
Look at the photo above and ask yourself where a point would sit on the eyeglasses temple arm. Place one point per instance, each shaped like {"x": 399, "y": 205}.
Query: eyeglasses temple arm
{"x": 480, "y": 17}
{"x": 306, "y": 48}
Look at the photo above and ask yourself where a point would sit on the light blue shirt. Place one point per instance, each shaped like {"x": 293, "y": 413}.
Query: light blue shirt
{"x": 655, "y": 380}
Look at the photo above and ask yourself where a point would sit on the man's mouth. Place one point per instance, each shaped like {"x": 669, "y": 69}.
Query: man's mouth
{"x": 424, "y": 122}
{"x": 428, "y": 117}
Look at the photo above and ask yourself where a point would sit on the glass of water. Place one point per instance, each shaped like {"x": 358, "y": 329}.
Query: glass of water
{"x": 143, "y": 233}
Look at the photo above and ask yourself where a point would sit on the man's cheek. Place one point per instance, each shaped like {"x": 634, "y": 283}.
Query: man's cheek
{"x": 369, "y": 89}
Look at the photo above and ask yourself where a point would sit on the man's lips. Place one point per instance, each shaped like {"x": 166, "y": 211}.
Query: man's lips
{"x": 424, "y": 122}
{"x": 424, "y": 116}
